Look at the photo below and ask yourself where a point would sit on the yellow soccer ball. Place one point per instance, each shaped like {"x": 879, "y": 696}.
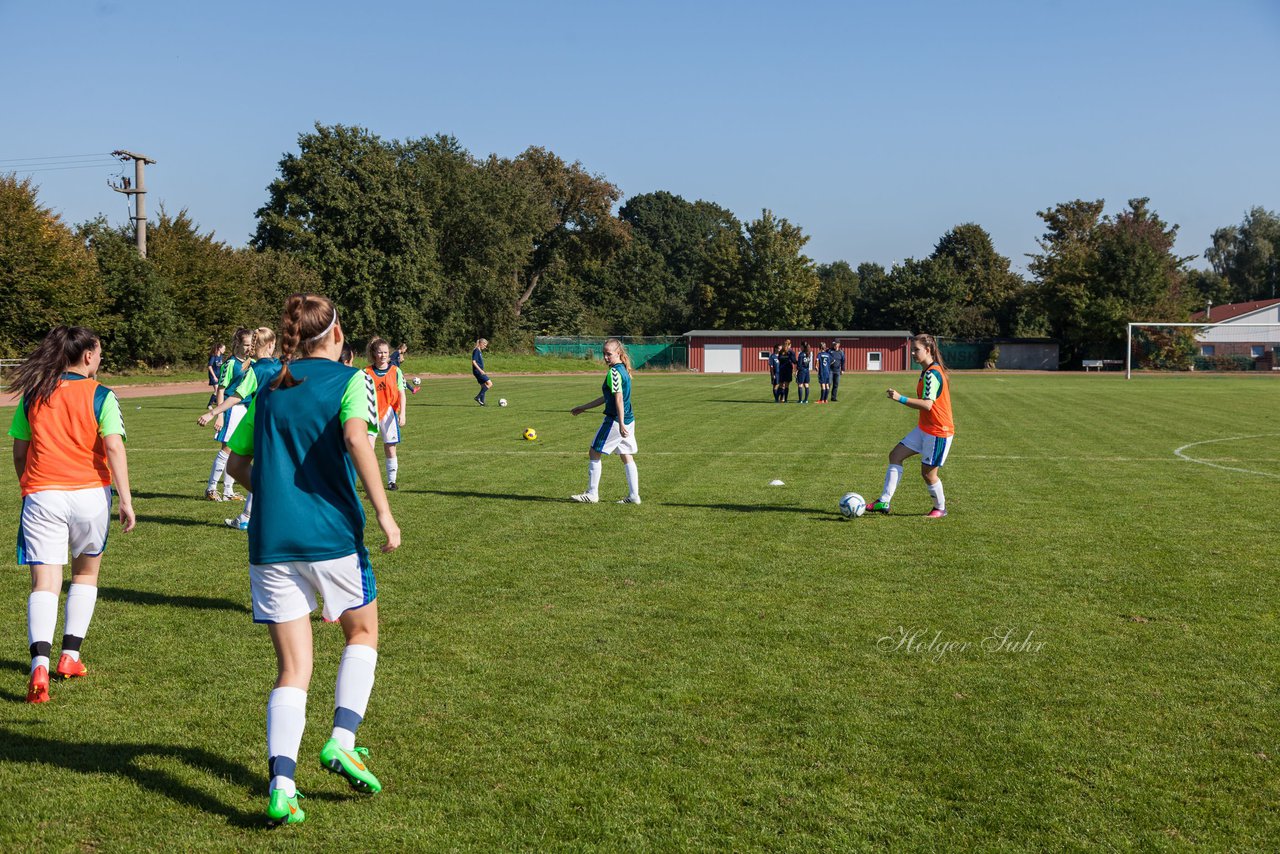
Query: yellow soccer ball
{"x": 530, "y": 434}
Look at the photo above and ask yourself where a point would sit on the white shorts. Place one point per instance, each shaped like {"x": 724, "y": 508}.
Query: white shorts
{"x": 609, "y": 438}
{"x": 286, "y": 591}
{"x": 57, "y": 525}
{"x": 388, "y": 429}
{"x": 933, "y": 450}
{"x": 230, "y": 421}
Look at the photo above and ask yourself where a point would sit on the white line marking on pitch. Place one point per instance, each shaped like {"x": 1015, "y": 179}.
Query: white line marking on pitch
{"x": 1177, "y": 452}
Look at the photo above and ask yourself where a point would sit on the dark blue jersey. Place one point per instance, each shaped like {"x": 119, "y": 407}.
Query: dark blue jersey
{"x": 478, "y": 357}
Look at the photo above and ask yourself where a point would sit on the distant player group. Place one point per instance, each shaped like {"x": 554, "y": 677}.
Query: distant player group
{"x": 786, "y": 364}
{"x": 299, "y": 429}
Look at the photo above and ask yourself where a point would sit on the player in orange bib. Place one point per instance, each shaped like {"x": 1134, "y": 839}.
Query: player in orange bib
{"x": 935, "y": 431}
{"x": 389, "y": 382}
{"x": 68, "y": 447}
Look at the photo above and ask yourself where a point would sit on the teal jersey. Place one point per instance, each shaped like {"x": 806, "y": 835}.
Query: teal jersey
{"x": 617, "y": 380}
{"x": 232, "y": 371}
{"x": 260, "y": 374}
{"x": 305, "y": 505}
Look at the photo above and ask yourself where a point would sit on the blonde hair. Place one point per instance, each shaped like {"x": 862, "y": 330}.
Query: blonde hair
{"x": 262, "y": 343}
{"x": 621, "y": 350}
{"x": 373, "y": 347}
{"x": 931, "y": 344}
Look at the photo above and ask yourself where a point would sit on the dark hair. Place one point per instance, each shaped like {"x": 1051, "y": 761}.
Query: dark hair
{"x": 931, "y": 344}
{"x": 348, "y": 355}
{"x": 37, "y": 378}
{"x": 213, "y": 351}
{"x": 804, "y": 346}
{"x": 374, "y": 345}
{"x": 305, "y": 319}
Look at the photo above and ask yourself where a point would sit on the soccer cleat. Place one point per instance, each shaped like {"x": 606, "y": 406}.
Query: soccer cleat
{"x": 232, "y": 496}
{"x": 284, "y": 810}
{"x": 38, "y": 687}
{"x": 629, "y": 500}
{"x": 212, "y": 495}
{"x": 237, "y": 523}
{"x": 935, "y": 513}
{"x": 392, "y": 486}
{"x": 878, "y": 506}
{"x": 349, "y": 764}
{"x": 69, "y": 668}
{"x": 584, "y": 498}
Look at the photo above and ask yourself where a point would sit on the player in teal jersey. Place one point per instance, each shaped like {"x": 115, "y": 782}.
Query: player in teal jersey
{"x": 618, "y": 430}
{"x": 224, "y": 424}
{"x": 260, "y": 367}
{"x": 301, "y": 446}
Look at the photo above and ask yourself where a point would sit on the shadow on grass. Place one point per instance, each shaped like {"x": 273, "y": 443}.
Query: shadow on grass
{"x": 497, "y": 496}
{"x": 770, "y": 402}
{"x": 144, "y": 597}
{"x": 172, "y": 520}
{"x": 146, "y": 495}
{"x": 121, "y": 760}
{"x": 743, "y": 508}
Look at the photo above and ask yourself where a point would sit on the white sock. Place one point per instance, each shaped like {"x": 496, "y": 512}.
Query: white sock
{"x": 891, "y": 478}
{"x": 228, "y": 483}
{"x": 351, "y": 694}
{"x": 286, "y": 718}
{"x": 80, "y": 601}
{"x": 219, "y": 468}
{"x": 633, "y": 479}
{"x": 248, "y": 508}
{"x": 42, "y": 614}
{"x": 593, "y": 476}
{"x": 935, "y": 492}
{"x": 393, "y": 466}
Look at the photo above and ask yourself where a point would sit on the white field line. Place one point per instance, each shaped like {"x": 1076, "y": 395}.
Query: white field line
{"x": 1178, "y": 452}
{"x": 735, "y": 382}
{"x": 771, "y": 454}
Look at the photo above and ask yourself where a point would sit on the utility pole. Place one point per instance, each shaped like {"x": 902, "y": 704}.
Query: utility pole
{"x": 139, "y": 191}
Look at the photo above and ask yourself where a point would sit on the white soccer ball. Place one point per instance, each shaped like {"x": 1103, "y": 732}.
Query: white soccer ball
{"x": 502, "y": 401}
{"x": 417, "y": 380}
{"x": 852, "y": 505}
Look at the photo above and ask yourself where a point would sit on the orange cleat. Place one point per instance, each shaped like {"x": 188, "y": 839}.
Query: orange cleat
{"x": 69, "y": 668}
{"x": 38, "y": 687}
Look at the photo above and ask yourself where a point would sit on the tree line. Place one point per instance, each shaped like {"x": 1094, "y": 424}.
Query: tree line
{"x": 421, "y": 241}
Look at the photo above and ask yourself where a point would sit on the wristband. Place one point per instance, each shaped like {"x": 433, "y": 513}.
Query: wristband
{"x": 903, "y": 399}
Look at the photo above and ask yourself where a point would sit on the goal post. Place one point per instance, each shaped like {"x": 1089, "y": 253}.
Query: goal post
{"x": 1201, "y": 347}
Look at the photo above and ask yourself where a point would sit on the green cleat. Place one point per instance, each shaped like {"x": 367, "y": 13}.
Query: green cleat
{"x": 350, "y": 764}
{"x": 284, "y": 810}
{"x": 878, "y": 506}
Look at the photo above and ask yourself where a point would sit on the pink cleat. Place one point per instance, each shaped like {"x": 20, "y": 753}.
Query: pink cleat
{"x": 935, "y": 514}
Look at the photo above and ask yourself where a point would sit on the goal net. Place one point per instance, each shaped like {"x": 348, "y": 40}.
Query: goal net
{"x": 1202, "y": 347}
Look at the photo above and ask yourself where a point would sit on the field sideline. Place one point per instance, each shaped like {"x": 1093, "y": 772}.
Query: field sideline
{"x": 1080, "y": 655}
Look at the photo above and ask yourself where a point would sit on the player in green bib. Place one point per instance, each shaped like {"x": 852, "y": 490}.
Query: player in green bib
{"x": 301, "y": 446}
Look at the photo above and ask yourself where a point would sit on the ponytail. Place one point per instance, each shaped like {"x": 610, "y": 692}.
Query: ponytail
{"x": 306, "y": 319}
{"x": 930, "y": 343}
{"x": 37, "y": 378}
{"x": 621, "y": 350}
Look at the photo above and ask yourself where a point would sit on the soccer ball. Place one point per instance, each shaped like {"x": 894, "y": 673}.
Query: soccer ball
{"x": 530, "y": 434}
{"x": 502, "y": 401}
{"x": 852, "y": 505}
{"x": 417, "y": 380}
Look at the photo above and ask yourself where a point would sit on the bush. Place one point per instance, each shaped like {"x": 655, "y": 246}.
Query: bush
{"x": 1233, "y": 362}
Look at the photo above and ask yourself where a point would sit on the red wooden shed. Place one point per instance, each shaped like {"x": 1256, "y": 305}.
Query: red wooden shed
{"x": 729, "y": 351}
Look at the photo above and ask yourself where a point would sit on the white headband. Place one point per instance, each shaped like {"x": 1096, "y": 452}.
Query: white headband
{"x": 332, "y": 323}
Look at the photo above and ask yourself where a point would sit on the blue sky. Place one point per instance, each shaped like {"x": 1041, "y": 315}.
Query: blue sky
{"x": 875, "y": 126}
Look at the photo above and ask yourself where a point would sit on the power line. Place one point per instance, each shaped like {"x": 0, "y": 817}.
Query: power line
{"x": 55, "y": 157}
{"x": 107, "y": 165}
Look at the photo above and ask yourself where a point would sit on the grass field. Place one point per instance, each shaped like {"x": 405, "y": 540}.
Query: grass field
{"x": 724, "y": 666}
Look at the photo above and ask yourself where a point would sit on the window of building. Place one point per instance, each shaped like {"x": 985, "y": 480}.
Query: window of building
{"x": 1257, "y": 350}
{"x": 1206, "y": 349}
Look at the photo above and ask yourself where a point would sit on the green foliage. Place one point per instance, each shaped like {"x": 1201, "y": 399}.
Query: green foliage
{"x": 1247, "y": 256}
{"x": 837, "y": 300}
{"x": 1096, "y": 273}
{"x": 776, "y": 286}
{"x": 47, "y": 277}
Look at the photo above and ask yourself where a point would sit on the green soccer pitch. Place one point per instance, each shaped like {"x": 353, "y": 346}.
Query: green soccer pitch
{"x": 1082, "y": 654}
